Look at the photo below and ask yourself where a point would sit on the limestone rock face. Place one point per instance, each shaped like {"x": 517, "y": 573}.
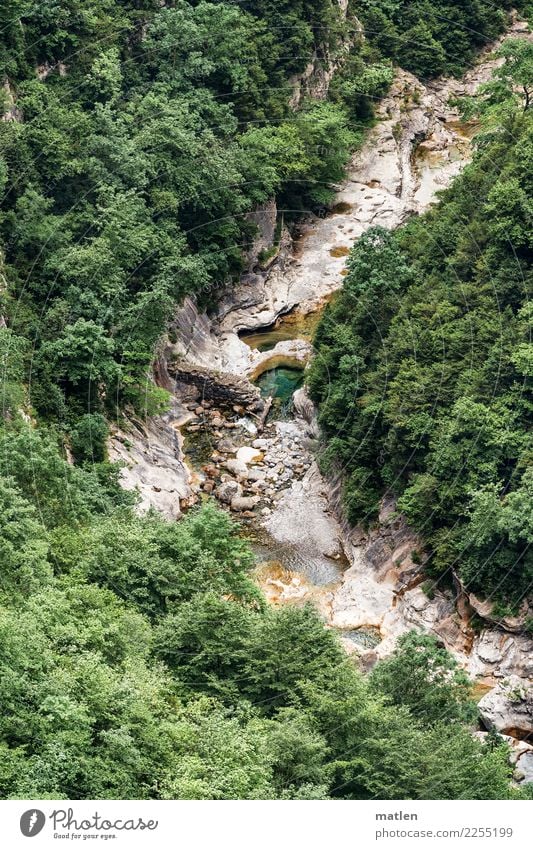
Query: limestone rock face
{"x": 315, "y": 79}
{"x": 224, "y": 389}
{"x": 486, "y": 609}
{"x": 43, "y": 71}
{"x": 192, "y": 337}
{"x": 302, "y": 518}
{"x": 295, "y": 352}
{"x": 11, "y": 111}
{"x": 497, "y": 654}
{"x": 305, "y": 410}
{"x": 524, "y": 767}
{"x": 153, "y": 462}
{"x": 264, "y": 218}
{"x": 508, "y": 708}
{"x": 360, "y": 601}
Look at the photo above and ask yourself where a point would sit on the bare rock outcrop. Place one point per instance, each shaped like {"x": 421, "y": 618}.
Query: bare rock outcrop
{"x": 302, "y": 518}
{"x": 11, "y": 111}
{"x": 508, "y": 708}
{"x": 487, "y": 610}
{"x": 524, "y": 767}
{"x": 223, "y": 389}
{"x": 497, "y": 654}
{"x": 152, "y": 462}
{"x": 264, "y": 218}
{"x": 305, "y": 411}
{"x": 191, "y": 337}
{"x": 314, "y": 81}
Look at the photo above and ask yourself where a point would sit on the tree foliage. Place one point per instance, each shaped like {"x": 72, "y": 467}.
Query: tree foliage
{"x": 432, "y": 38}
{"x": 147, "y": 133}
{"x": 423, "y": 371}
{"x": 139, "y": 660}
{"x": 137, "y": 657}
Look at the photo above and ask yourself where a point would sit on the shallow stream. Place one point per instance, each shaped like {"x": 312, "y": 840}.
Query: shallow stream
{"x": 381, "y": 189}
{"x": 292, "y": 325}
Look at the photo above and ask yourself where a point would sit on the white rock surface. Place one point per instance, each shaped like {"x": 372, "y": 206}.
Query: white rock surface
{"x": 524, "y": 767}
{"x": 302, "y": 518}
{"x": 249, "y": 455}
{"x": 361, "y": 600}
{"x": 508, "y": 708}
{"x": 154, "y": 464}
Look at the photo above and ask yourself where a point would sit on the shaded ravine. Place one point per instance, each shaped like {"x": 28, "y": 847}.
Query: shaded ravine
{"x": 367, "y": 588}
{"x": 382, "y": 593}
{"x": 416, "y": 148}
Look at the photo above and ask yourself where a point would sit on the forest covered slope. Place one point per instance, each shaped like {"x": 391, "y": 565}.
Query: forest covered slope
{"x": 423, "y": 373}
{"x": 137, "y": 657}
{"x": 147, "y": 134}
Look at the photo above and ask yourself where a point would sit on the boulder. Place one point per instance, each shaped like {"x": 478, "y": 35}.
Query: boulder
{"x": 508, "y": 708}
{"x": 240, "y": 504}
{"x": 236, "y": 467}
{"x": 486, "y": 609}
{"x": 247, "y": 454}
{"x": 524, "y": 768}
{"x": 228, "y": 491}
{"x": 256, "y": 475}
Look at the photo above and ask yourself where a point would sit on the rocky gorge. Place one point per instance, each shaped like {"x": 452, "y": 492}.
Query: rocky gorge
{"x": 222, "y": 438}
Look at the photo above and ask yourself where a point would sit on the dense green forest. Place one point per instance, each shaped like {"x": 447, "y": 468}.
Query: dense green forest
{"x": 146, "y": 136}
{"x": 424, "y": 362}
{"x": 429, "y": 38}
{"x": 137, "y": 657}
{"x": 138, "y": 660}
